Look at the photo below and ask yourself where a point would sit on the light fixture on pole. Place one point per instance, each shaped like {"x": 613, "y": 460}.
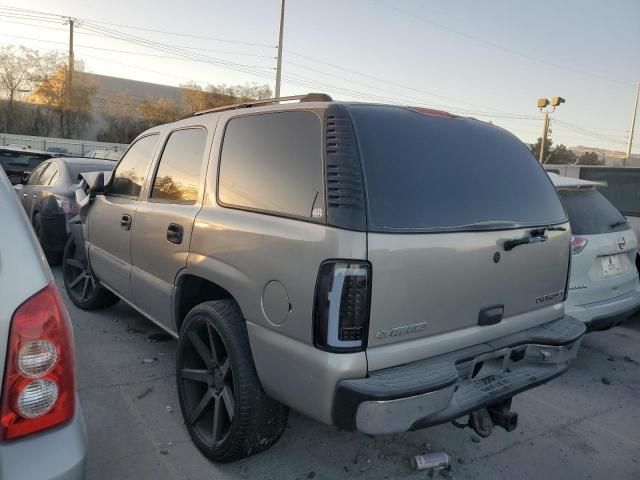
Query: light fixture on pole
{"x": 543, "y": 105}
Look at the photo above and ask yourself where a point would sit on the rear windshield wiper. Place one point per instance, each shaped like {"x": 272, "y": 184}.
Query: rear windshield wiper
{"x": 619, "y": 223}
{"x": 536, "y": 235}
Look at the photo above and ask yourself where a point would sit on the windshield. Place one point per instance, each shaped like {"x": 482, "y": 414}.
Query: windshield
{"x": 428, "y": 173}
{"x": 590, "y": 213}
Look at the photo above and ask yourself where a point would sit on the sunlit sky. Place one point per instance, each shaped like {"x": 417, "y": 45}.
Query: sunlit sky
{"x": 489, "y": 59}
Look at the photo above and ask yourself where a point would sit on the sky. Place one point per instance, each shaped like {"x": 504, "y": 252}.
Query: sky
{"x": 489, "y": 59}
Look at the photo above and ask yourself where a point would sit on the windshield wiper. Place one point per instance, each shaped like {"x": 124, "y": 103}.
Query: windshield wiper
{"x": 536, "y": 235}
{"x": 619, "y": 223}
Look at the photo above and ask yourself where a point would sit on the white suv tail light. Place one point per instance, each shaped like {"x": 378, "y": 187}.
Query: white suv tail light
{"x": 578, "y": 244}
{"x": 39, "y": 378}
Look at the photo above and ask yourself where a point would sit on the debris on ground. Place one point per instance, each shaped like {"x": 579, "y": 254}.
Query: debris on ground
{"x": 149, "y": 360}
{"x": 605, "y": 380}
{"x": 169, "y": 408}
{"x": 159, "y": 337}
{"x": 475, "y": 439}
{"x": 144, "y": 393}
{"x": 431, "y": 461}
{"x": 164, "y": 452}
{"x": 611, "y": 359}
{"x": 628, "y": 359}
{"x": 311, "y": 475}
{"x": 134, "y": 331}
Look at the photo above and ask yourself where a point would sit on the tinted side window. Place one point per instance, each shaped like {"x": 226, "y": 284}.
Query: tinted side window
{"x": 35, "y": 175}
{"x": 48, "y": 175}
{"x": 590, "y": 213}
{"x": 130, "y": 174}
{"x": 622, "y": 186}
{"x": 273, "y": 162}
{"x": 178, "y": 175}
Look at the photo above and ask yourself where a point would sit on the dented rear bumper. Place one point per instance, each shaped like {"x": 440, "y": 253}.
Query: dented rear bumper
{"x": 439, "y": 389}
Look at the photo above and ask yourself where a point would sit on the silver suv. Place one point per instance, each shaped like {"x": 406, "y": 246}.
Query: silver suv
{"x": 359, "y": 263}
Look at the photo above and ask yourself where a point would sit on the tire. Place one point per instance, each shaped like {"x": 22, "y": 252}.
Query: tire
{"x": 53, "y": 258}
{"x": 226, "y": 411}
{"x": 83, "y": 288}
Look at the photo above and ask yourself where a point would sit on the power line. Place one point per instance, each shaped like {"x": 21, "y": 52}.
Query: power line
{"x": 496, "y": 45}
{"x": 186, "y": 35}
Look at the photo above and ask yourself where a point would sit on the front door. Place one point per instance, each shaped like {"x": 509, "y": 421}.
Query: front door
{"x": 164, "y": 221}
{"x": 112, "y": 218}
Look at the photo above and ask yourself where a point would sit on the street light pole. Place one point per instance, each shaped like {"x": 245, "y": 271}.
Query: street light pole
{"x": 545, "y": 132}
{"x": 633, "y": 124}
{"x": 279, "y": 65}
{"x": 544, "y": 103}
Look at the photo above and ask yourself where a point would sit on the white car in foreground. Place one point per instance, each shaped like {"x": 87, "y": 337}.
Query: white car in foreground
{"x": 604, "y": 289}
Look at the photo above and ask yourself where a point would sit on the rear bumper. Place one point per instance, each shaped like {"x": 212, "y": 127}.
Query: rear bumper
{"x": 607, "y": 313}
{"x": 56, "y": 454}
{"x": 55, "y": 232}
{"x": 443, "y": 388}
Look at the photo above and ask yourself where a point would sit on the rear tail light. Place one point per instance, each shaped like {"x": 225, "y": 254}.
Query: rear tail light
{"x": 341, "y": 313}
{"x": 67, "y": 206}
{"x": 578, "y": 244}
{"x": 39, "y": 379}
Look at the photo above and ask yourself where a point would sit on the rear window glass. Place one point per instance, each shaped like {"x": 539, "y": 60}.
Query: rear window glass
{"x": 15, "y": 159}
{"x": 426, "y": 173}
{"x": 590, "y": 213}
{"x": 622, "y": 186}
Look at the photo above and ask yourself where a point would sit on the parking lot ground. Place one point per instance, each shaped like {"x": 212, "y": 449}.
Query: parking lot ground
{"x": 584, "y": 425}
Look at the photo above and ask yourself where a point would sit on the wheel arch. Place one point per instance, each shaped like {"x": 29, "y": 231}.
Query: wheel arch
{"x": 192, "y": 289}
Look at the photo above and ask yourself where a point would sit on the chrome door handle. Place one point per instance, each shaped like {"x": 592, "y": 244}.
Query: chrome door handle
{"x": 125, "y": 222}
{"x": 35, "y": 196}
{"x": 175, "y": 233}
{"x": 24, "y": 195}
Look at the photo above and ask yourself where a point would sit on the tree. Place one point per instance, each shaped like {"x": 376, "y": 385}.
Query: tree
{"x": 590, "y": 158}
{"x": 561, "y": 156}
{"x": 195, "y": 98}
{"x": 157, "y": 110}
{"x": 535, "y": 148}
{"x": 16, "y": 73}
{"x": 121, "y": 116}
{"x": 72, "y": 106}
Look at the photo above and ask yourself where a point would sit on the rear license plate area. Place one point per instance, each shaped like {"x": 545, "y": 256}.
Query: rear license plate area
{"x": 611, "y": 265}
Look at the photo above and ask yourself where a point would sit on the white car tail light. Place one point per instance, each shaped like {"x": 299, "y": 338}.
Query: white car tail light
{"x": 39, "y": 381}
{"x": 578, "y": 244}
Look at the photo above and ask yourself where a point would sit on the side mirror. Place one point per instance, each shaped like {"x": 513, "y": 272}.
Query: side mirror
{"x": 25, "y": 176}
{"x": 95, "y": 182}
{"x": 18, "y": 187}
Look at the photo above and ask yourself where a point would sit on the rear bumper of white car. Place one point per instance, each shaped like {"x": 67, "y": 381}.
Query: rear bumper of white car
{"x": 56, "y": 454}
{"x": 606, "y": 313}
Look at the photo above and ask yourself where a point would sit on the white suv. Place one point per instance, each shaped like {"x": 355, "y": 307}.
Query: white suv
{"x": 603, "y": 289}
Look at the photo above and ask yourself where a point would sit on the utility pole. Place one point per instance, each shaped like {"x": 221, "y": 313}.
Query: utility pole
{"x": 633, "y": 124}
{"x": 71, "y": 59}
{"x": 545, "y": 131}
{"x": 279, "y": 65}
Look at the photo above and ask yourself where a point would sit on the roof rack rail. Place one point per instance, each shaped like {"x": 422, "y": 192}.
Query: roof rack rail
{"x": 309, "y": 97}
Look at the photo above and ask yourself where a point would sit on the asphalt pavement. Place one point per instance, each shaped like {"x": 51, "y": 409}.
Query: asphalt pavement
{"x": 584, "y": 425}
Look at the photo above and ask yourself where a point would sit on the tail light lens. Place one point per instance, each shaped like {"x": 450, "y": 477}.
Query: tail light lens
{"x": 66, "y": 205}
{"x": 341, "y": 313}
{"x": 39, "y": 379}
{"x": 578, "y": 244}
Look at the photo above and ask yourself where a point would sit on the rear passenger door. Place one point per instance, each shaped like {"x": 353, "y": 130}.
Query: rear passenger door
{"x": 111, "y": 219}
{"x": 26, "y": 193}
{"x": 164, "y": 221}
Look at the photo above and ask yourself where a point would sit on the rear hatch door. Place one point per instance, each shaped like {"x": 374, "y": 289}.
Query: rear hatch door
{"x": 444, "y": 194}
{"x": 605, "y": 266}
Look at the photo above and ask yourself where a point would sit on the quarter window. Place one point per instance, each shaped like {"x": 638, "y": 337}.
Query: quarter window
{"x": 272, "y": 162}
{"x": 178, "y": 175}
{"x": 35, "y": 175}
{"x": 49, "y": 175}
{"x": 131, "y": 172}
